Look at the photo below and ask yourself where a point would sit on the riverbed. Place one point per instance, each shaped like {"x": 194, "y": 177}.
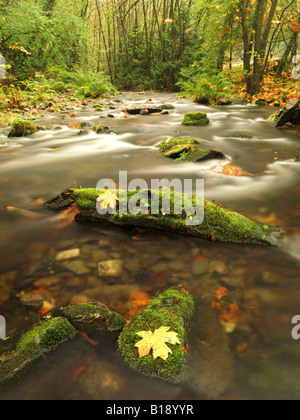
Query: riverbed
{"x": 262, "y": 281}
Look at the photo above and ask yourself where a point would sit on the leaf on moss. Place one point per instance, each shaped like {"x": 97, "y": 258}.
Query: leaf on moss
{"x": 157, "y": 342}
{"x": 108, "y": 199}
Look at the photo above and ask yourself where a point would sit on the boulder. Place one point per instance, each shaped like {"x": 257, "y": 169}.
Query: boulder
{"x": 173, "y": 309}
{"x": 22, "y": 128}
{"x": 186, "y": 150}
{"x": 195, "y": 119}
{"x": 290, "y": 114}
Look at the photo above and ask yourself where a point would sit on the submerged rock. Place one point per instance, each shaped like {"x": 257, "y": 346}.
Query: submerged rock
{"x": 195, "y": 119}
{"x": 41, "y": 339}
{"x": 22, "y": 128}
{"x": 135, "y": 110}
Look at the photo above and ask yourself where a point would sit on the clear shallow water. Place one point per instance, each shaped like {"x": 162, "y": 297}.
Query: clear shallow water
{"x": 263, "y": 281}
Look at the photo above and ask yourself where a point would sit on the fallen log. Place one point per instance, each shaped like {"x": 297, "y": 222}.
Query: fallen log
{"x": 219, "y": 224}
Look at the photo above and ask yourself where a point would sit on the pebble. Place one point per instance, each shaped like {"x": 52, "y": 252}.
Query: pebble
{"x": 200, "y": 267}
{"x": 78, "y": 267}
{"x": 218, "y": 267}
{"x": 68, "y": 255}
{"x": 33, "y": 300}
{"x": 110, "y": 268}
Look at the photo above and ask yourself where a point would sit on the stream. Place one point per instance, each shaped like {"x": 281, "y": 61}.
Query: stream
{"x": 263, "y": 281}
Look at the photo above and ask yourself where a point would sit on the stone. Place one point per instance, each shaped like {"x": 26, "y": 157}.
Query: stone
{"x": 78, "y": 267}
{"x": 200, "y": 267}
{"x": 224, "y": 102}
{"x": 110, "y": 268}
{"x": 174, "y": 309}
{"x": 290, "y": 114}
{"x": 68, "y": 255}
{"x": 195, "y": 119}
{"x": 93, "y": 318}
{"x": 44, "y": 337}
{"x": 22, "y": 128}
{"x": 218, "y": 267}
{"x": 33, "y": 300}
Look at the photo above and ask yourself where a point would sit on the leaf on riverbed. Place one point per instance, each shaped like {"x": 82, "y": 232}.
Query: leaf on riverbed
{"x": 234, "y": 170}
{"x": 108, "y": 199}
{"x": 157, "y": 341}
{"x": 229, "y": 317}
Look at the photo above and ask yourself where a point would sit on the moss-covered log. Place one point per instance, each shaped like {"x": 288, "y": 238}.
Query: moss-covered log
{"x": 219, "y": 224}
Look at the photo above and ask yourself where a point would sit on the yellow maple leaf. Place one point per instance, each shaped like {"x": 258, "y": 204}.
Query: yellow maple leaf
{"x": 108, "y": 198}
{"x": 156, "y": 341}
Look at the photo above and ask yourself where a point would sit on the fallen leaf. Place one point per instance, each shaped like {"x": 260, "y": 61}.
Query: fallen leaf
{"x": 108, "y": 199}
{"x": 157, "y": 342}
{"x": 72, "y": 115}
{"x": 220, "y": 293}
{"x": 89, "y": 340}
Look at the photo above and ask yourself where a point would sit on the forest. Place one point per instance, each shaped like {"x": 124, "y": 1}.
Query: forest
{"x": 149, "y": 206}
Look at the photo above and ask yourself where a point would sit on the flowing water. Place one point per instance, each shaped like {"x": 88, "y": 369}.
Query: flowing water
{"x": 263, "y": 281}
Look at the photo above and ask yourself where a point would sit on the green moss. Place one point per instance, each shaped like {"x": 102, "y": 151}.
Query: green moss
{"x": 22, "y": 128}
{"x": 42, "y": 338}
{"x": 168, "y": 144}
{"x": 195, "y": 119}
{"x": 219, "y": 224}
{"x": 173, "y": 308}
{"x": 99, "y": 128}
{"x": 91, "y": 317}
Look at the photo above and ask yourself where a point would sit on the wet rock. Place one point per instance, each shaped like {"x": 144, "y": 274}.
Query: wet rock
{"x": 218, "y": 267}
{"x": 92, "y": 318}
{"x": 200, "y": 267}
{"x": 102, "y": 381}
{"x": 22, "y": 128}
{"x": 110, "y": 268}
{"x": 47, "y": 282}
{"x": 100, "y": 128}
{"x": 174, "y": 309}
{"x": 290, "y": 114}
{"x": 41, "y": 339}
{"x": 186, "y": 150}
{"x": 78, "y": 267}
{"x": 99, "y": 255}
{"x": 224, "y": 102}
{"x": 62, "y": 201}
{"x": 110, "y": 116}
{"x": 33, "y": 300}
{"x": 68, "y": 255}
{"x": 135, "y": 110}
{"x": 167, "y": 107}
{"x": 195, "y": 119}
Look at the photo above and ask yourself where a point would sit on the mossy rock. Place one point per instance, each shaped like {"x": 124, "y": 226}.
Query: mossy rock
{"x": 260, "y": 102}
{"x": 41, "y": 339}
{"x": 219, "y": 224}
{"x": 167, "y": 107}
{"x": 22, "y": 128}
{"x": 99, "y": 128}
{"x": 173, "y": 308}
{"x": 196, "y": 119}
{"x": 224, "y": 102}
{"x": 184, "y": 150}
{"x": 92, "y": 318}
